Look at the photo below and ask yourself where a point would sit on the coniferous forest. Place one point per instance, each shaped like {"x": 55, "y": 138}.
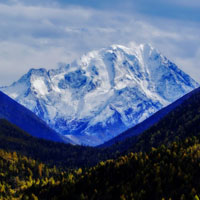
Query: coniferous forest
{"x": 161, "y": 163}
{"x": 163, "y": 173}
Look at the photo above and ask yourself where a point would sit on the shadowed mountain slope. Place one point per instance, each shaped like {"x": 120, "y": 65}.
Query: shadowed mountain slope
{"x": 27, "y": 120}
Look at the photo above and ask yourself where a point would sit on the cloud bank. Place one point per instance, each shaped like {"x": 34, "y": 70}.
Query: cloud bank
{"x": 43, "y": 34}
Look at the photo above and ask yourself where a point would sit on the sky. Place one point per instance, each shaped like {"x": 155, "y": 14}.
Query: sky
{"x": 47, "y": 33}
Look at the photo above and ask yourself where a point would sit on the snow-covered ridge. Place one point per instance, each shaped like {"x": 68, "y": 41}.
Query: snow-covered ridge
{"x": 103, "y": 93}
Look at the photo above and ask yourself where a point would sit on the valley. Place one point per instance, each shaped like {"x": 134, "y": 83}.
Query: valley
{"x": 169, "y": 148}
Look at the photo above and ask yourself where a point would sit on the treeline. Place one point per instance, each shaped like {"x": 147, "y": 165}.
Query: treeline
{"x": 62, "y": 155}
{"x": 165, "y": 173}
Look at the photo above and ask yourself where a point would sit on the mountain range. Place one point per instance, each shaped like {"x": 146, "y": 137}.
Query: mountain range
{"x": 104, "y": 93}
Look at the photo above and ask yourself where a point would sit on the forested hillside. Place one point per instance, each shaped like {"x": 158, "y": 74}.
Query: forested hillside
{"x": 161, "y": 163}
{"x": 164, "y": 173}
{"x": 18, "y": 173}
{"x": 63, "y": 155}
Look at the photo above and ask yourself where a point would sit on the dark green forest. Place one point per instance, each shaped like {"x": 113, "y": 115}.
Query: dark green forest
{"x": 161, "y": 163}
{"x": 18, "y": 173}
{"x": 163, "y": 173}
{"x": 63, "y": 155}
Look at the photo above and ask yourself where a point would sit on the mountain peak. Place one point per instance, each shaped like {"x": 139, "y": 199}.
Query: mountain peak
{"x": 39, "y": 71}
{"x": 103, "y": 93}
{"x": 146, "y": 46}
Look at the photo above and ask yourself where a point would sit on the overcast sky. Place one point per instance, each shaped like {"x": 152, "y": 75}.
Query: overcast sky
{"x": 43, "y": 33}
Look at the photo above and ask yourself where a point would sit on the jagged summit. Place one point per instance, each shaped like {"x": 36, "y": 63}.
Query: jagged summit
{"x": 103, "y": 93}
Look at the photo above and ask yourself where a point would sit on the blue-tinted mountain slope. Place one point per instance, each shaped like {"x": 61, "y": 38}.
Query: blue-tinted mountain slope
{"x": 27, "y": 120}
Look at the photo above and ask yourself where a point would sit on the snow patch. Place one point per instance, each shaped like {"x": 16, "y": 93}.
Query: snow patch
{"x": 40, "y": 87}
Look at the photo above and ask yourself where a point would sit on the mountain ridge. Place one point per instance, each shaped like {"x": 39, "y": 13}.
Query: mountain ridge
{"x": 26, "y": 120}
{"x": 151, "y": 121}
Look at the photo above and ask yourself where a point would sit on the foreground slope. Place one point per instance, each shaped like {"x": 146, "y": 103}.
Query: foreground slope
{"x": 27, "y": 120}
{"x": 63, "y": 155}
{"x": 165, "y": 173}
{"x": 104, "y": 93}
{"x": 18, "y": 173}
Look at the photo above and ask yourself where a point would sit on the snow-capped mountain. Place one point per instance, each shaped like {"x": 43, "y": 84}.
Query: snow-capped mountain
{"x": 103, "y": 93}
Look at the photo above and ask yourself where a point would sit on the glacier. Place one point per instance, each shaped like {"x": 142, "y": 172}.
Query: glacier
{"x": 102, "y": 94}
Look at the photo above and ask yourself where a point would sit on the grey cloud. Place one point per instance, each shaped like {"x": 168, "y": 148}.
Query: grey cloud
{"x": 37, "y": 36}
